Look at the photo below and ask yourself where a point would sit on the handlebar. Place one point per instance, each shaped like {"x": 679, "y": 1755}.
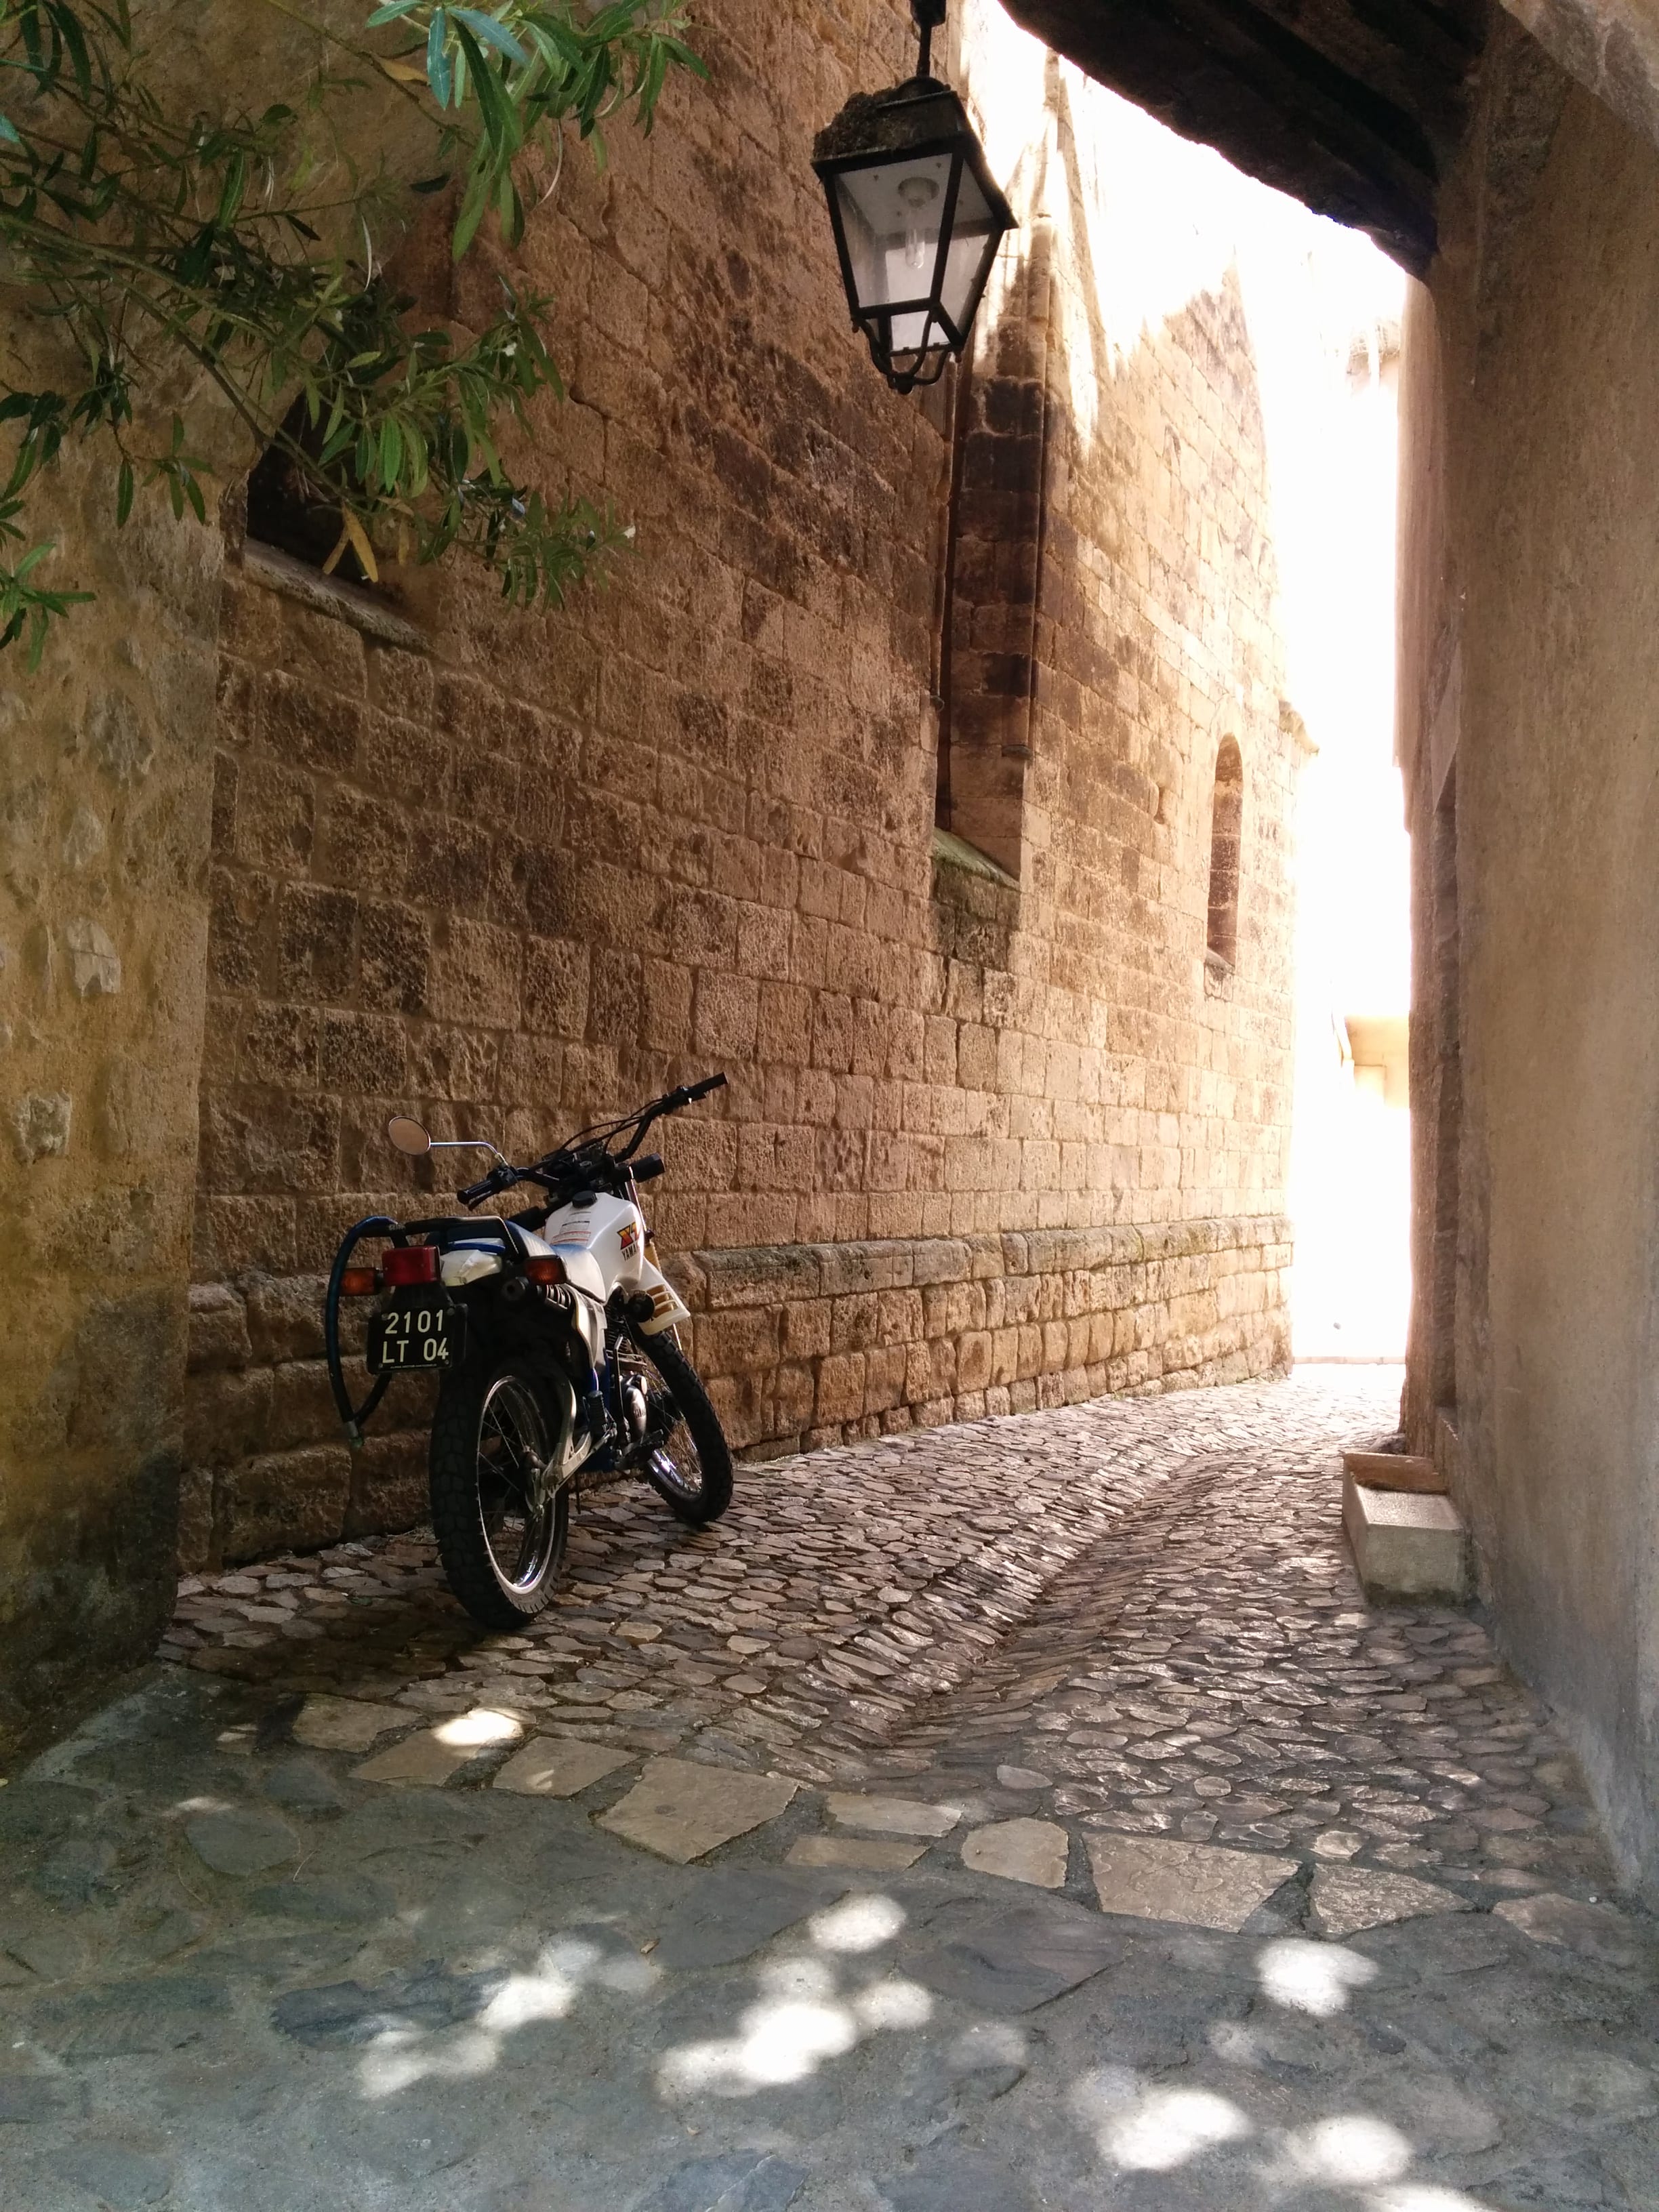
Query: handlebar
{"x": 502, "y": 1178}
{"x": 645, "y": 1169}
{"x": 670, "y": 1103}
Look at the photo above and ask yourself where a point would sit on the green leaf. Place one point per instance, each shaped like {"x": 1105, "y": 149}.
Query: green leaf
{"x": 68, "y": 27}
{"x": 493, "y": 34}
{"x": 498, "y": 119}
{"x": 230, "y": 196}
{"x": 438, "y": 74}
{"x": 466, "y": 223}
{"x": 106, "y": 181}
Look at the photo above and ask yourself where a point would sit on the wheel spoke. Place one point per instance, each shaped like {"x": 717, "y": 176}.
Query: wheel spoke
{"x": 673, "y": 1458}
{"x": 522, "y": 1537}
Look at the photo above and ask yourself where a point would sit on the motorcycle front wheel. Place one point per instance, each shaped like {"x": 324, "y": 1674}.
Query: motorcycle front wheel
{"x": 502, "y": 1540}
{"x": 689, "y": 1466}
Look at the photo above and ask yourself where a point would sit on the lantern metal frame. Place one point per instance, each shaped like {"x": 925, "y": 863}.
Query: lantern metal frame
{"x": 920, "y": 119}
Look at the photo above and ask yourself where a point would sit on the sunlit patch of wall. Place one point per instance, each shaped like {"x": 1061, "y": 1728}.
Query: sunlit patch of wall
{"x": 1144, "y": 238}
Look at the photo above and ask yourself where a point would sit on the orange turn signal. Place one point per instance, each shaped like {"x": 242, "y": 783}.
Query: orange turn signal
{"x": 359, "y": 1283}
{"x": 545, "y": 1267}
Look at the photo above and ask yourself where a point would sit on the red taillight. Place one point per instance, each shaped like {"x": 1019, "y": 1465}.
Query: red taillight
{"x": 405, "y": 1265}
{"x": 545, "y": 1267}
{"x": 359, "y": 1283}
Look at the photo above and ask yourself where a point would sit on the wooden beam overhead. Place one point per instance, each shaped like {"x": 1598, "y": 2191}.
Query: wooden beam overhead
{"x": 1353, "y": 107}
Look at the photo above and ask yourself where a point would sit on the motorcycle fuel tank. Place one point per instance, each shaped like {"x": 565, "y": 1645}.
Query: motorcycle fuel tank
{"x": 601, "y": 1242}
{"x": 603, "y": 1245}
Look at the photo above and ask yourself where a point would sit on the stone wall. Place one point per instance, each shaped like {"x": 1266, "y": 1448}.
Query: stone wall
{"x": 1528, "y": 671}
{"x": 815, "y": 1344}
{"x": 800, "y": 1345}
{"x": 103, "y": 929}
{"x": 512, "y": 871}
{"x": 106, "y": 780}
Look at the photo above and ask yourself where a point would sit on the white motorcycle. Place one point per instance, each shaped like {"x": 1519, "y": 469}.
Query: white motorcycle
{"x": 555, "y": 1335}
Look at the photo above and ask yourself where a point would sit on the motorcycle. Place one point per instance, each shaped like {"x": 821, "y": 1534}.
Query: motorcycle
{"x": 555, "y": 1337}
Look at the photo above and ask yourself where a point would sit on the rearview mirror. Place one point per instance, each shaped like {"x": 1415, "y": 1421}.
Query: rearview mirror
{"x": 407, "y": 1136}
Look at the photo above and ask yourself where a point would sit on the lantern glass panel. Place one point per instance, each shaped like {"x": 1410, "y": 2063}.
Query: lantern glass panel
{"x": 916, "y": 220}
{"x": 890, "y": 217}
{"x": 974, "y": 236}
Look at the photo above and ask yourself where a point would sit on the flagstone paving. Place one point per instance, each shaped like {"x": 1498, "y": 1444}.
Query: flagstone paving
{"x": 1021, "y": 1816}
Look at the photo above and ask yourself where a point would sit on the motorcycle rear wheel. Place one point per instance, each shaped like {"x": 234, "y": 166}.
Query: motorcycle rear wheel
{"x": 690, "y": 1470}
{"x": 502, "y": 1547}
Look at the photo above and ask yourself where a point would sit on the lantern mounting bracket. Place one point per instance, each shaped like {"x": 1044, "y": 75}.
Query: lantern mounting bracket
{"x": 928, "y": 15}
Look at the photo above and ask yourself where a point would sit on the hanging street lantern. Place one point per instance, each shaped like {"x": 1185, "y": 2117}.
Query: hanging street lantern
{"x": 917, "y": 216}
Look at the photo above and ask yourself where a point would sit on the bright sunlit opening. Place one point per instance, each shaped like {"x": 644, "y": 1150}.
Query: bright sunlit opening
{"x": 894, "y": 2004}
{"x": 525, "y": 1997}
{"x": 780, "y": 2041}
{"x": 1142, "y": 2129}
{"x": 401, "y": 2057}
{"x": 1168, "y": 2127}
{"x": 1418, "y": 2197}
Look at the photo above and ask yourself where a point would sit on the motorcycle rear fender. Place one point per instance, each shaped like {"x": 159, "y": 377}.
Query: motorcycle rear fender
{"x": 561, "y": 1402}
{"x": 587, "y": 1318}
{"x": 469, "y": 1263}
{"x": 667, "y": 1308}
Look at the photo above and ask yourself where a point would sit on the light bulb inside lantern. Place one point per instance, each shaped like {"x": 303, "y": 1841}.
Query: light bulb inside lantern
{"x": 917, "y": 193}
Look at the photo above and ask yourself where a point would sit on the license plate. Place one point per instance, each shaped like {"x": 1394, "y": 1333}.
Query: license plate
{"x": 417, "y": 1335}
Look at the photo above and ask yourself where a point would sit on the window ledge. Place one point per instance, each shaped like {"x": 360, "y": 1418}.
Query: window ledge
{"x": 955, "y": 852}
{"x": 1218, "y": 976}
{"x": 329, "y": 595}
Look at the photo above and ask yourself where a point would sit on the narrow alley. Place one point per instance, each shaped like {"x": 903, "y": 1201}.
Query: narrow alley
{"x": 827, "y": 1147}
{"x": 1071, "y": 1833}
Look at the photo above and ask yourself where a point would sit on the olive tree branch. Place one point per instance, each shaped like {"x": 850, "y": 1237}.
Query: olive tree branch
{"x": 159, "y": 244}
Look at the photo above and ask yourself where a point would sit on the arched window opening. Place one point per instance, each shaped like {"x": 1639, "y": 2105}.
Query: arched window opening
{"x": 1226, "y": 823}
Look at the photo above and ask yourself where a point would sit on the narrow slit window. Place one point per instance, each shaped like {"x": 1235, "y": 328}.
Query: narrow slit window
{"x": 1226, "y": 823}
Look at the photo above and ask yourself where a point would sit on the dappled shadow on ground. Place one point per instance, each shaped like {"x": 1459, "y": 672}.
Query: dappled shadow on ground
{"x": 234, "y": 1971}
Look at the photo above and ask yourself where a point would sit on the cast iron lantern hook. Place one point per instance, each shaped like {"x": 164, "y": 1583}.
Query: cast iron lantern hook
{"x": 927, "y": 16}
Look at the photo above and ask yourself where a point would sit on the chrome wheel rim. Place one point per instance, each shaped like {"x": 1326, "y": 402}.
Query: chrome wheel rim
{"x": 673, "y": 1462}
{"x": 520, "y": 1532}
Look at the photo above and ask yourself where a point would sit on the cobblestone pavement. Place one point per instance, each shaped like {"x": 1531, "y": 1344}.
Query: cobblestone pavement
{"x": 1032, "y": 1814}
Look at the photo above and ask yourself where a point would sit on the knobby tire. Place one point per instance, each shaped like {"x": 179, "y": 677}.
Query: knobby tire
{"x": 684, "y": 1387}
{"x": 458, "y": 1522}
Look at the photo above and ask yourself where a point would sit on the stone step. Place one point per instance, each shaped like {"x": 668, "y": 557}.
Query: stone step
{"x": 1393, "y": 1471}
{"x": 1404, "y": 1543}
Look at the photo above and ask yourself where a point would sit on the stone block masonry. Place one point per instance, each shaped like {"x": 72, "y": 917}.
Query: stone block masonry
{"x": 800, "y": 1345}
{"x": 993, "y": 1138}
{"x": 807, "y": 1345}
